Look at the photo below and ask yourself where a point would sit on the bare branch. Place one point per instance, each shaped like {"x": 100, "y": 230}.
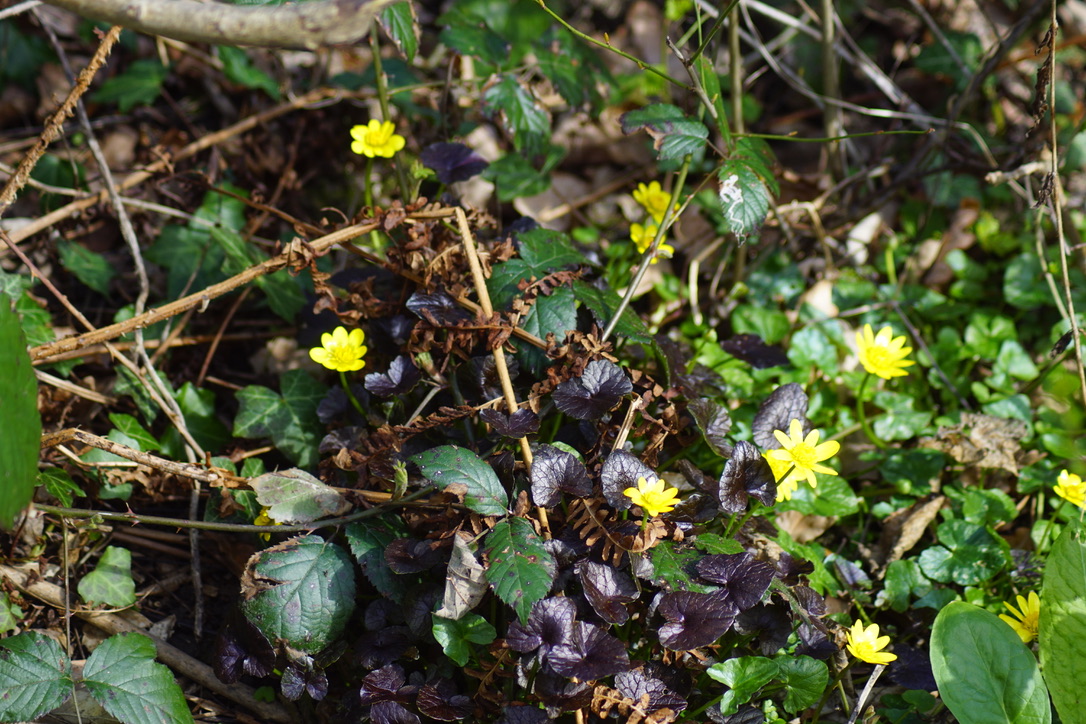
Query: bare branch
{"x": 303, "y": 25}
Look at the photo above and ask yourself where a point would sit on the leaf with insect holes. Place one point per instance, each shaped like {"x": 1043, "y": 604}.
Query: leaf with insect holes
{"x": 673, "y": 134}
{"x": 448, "y": 465}
{"x": 596, "y": 392}
{"x": 621, "y": 470}
{"x": 744, "y": 199}
{"x": 452, "y": 162}
{"x": 694, "y": 619}
{"x": 715, "y": 423}
{"x": 555, "y": 471}
{"x": 520, "y": 568}
{"x": 746, "y": 475}
{"x": 401, "y": 377}
{"x": 517, "y": 425}
{"x": 295, "y": 496}
{"x": 788, "y": 402}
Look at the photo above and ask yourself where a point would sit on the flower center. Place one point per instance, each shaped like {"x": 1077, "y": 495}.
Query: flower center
{"x": 343, "y": 355}
{"x": 804, "y": 455}
{"x": 377, "y": 138}
{"x": 879, "y": 356}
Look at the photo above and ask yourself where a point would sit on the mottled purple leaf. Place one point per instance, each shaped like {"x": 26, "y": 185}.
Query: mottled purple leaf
{"x": 439, "y": 699}
{"x": 389, "y": 712}
{"x": 303, "y": 677}
{"x": 523, "y": 714}
{"x": 694, "y": 619}
{"x": 746, "y": 474}
{"x": 517, "y": 425}
{"x": 715, "y": 423}
{"x": 607, "y": 589}
{"x": 634, "y": 684}
{"x": 743, "y": 580}
{"x": 408, "y": 555}
{"x": 788, "y": 402}
{"x": 751, "y": 349}
{"x": 554, "y": 471}
{"x": 400, "y": 378}
{"x": 439, "y": 309}
{"x": 382, "y": 684}
{"x": 620, "y": 471}
{"x": 596, "y": 392}
{"x": 241, "y": 648}
{"x": 383, "y": 646}
{"x": 452, "y": 162}
{"x": 550, "y": 624}
{"x": 590, "y": 654}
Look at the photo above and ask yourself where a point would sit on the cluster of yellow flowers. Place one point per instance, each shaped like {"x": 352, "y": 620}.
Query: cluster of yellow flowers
{"x": 654, "y": 200}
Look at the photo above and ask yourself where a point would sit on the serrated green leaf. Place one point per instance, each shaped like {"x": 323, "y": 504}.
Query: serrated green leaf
{"x": 744, "y": 199}
{"x": 672, "y": 566}
{"x": 10, "y": 615}
{"x": 131, "y": 427}
{"x": 368, "y": 540}
{"x": 673, "y": 134}
{"x": 759, "y": 156}
{"x": 110, "y": 582}
{"x": 88, "y": 267}
{"x": 603, "y": 303}
{"x": 1063, "y": 623}
{"x": 744, "y": 675}
{"x": 520, "y": 568}
{"x": 35, "y": 676}
{"x": 289, "y": 419}
{"x": 20, "y": 423}
{"x": 237, "y": 67}
{"x": 546, "y": 251}
{"x": 139, "y": 84}
{"x": 399, "y": 21}
{"x": 123, "y": 676}
{"x": 524, "y": 116}
{"x": 984, "y": 671}
{"x": 804, "y": 680}
{"x": 295, "y": 496}
{"x": 448, "y": 465}
{"x": 300, "y": 591}
{"x": 554, "y": 314}
{"x": 456, "y": 635}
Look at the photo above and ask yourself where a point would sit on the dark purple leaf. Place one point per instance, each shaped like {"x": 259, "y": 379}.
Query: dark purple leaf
{"x": 335, "y": 403}
{"x": 790, "y": 568}
{"x": 382, "y": 685}
{"x": 912, "y": 669}
{"x": 751, "y": 349}
{"x": 744, "y": 580}
{"x": 696, "y": 478}
{"x": 550, "y": 624}
{"x": 304, "y": 677}
{"x": 694, "y": 619}
{"x": 487, "y": 377}
{"x": 240, "y": 648}
{"x": 695, "y": 508}
{"x": 440, "y": 700}
{"x": 383, "y": 646}
{"x": 590, "y": 654}
{"x": 349, "y": 438}
{"x": 558, "y": 692}
{"x": 439, "y": 309}
{"x": 408, "y": 555}
{"x": 746, "y": 474}
{"x": 815, "y": 642}
{"x": 747, "y": 714}
{"x": 525, "y": 714}
{"x": 555, "y": 470}
{"x": 621, "y": 470}
{"x": 811, "y": 602}
{"x": 596, "y": 392}
{"x": 768, "y": 625}
{"x": 607, "y": 589}
{"x": 517, "y": 425}
{"x": 787, "y": 403}
{"x": 715, "y": 423}
{"x": 401, "y": 377}
{"x": 634, "y": 684}
{"x": 389, "y": 712}
{"x": 452, "y": 162}
{"x": 849, "y": 573}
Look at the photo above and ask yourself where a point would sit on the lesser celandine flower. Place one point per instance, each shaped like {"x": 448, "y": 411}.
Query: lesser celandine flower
{"x": 654, "y": 498}
{"x": 1071, "y": 488}
{"x": 265, "y": 519}
{"x": 376, "y": 138}
{"x": 642, "y": 237}
{"x": 803, "y": 452}
{"x": 341, "y": 350}
{"x": 883, "y": 354}
{"x": 1026, "y": 616}
{"x": 653, "y": 199}
{"x": 784, "y": 473}
{"x": 866, "y": 644}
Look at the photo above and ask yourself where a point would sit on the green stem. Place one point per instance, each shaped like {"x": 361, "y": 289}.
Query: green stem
{"x": 1048, "y": 528}
{"x": 382, "y": 99}
{"x": 861, "y": 398}
{"x": 350, "y": 395}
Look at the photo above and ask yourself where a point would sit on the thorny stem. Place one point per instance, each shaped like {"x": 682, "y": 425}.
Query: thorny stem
{"x": 669, "y": 219}
{"x": 861, "y": 414}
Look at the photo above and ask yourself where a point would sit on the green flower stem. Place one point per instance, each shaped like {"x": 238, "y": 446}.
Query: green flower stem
{"x": 1051, "y": 522}
{"x": 861, "y": 398}
{"x": 367, "y": 186}
{"x": 386, "y": 111}
{"x": 350, "y": 395}
{"x": 834, "y": 684}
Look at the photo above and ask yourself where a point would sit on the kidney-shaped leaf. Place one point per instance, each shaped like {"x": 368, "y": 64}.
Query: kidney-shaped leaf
{"x": 744, "y": 580}
{"x": 694, "y": 619}
{"x": 714, "y": 422}
{"x": 300, "y": 591}
{"x": 590, "y": 654}
{"x": 519, "y": 424}
{"x": 621, "y": 470}
{"x": 35, "y": 676}
{"x": 401, "y": 377}
{"x": 549, "y": 624}
{"x": 520, "y": 569}
{"x": 788, "y": 402}
{"x": 124, "y": 677}
{"x": 452, "y": 162}
{"x": 595, "y": 393}
{"x": 449, "y": 464}
{"x": 607, "y": 589}
{"x": 746, "y": 474}
{"x": 555, "y": 471}
{"x": 984, "y": 671}
{"x": 295, "y": 496}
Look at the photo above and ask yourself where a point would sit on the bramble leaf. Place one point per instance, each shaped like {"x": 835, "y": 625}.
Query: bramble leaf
{"x": 123, "y": 676}
{"x": 521, "y": 570}
{"x": 673, "y": 134}
{"x": 35, "y": 676}
{"x": 448, "y": 465}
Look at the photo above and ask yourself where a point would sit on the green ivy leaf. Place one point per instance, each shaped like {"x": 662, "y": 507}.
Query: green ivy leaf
{"x": 456, "y": 635}
{"x": 110, "y": 582}
{"x": 368, "y": 540}
{"x": 673, "y": 134}
{"x": 295, "y": 496}
{"x": 1063, "y": 623}
{"x": 300, "y": 591}
{"x": 20, "y": 423}
{"x": 401, "y": 24}
{"x": 515, "y": 177}
{"x": 448, "y": 465}
{"x": 131, "y": 427}
{"x": 524, "y": 117}
{"x": 520, "y": 568}
{"x": 88, "y": 267}
{"x": 35, "y": 676}
{"x": 554, "y": 314}
{"x": 238, "y": 68}
{"x": 139, "y": 84}
{"x": 984, "y": 671}
{"x": 289, "y": 419}
{"x": 123, "y": 676}
{"x": 744, "y": 199}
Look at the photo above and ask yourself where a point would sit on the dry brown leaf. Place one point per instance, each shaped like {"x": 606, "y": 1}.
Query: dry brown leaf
{"x": 981, "y": 441}
{"x": 903, "y": 529}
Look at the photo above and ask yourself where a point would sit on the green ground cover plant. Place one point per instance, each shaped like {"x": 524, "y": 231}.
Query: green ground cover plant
{"x": 528, "y": 362}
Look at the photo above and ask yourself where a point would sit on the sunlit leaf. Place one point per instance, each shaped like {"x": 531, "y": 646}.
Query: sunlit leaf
{"x": 123, "y": 676}
{"x": 788, "y": 402}
{"x": 295, "y": 496}
{"x": 521, "y": 569}
{"x": 35, "y": 676}
{"x": 448, "y": 465}
{"x": 597, "y": 391}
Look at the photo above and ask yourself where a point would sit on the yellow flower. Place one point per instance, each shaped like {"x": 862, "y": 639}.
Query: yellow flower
{"x": 1071, "y": 488}
{"x": 785, "y": 474}
{"x": 341, "y": 351}
{"x": 654, "y": 200}
{"x": 654, "y": 498}
{"x": 883, "y": 354}
{"x": 376, "y": 139}
{"x": 265, "y": 519}
{"x": 1026, "y": 616}
{"x": 867, "y": 645}
{"x": 804, "y": 453}
{"x": 642, "y": 237}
